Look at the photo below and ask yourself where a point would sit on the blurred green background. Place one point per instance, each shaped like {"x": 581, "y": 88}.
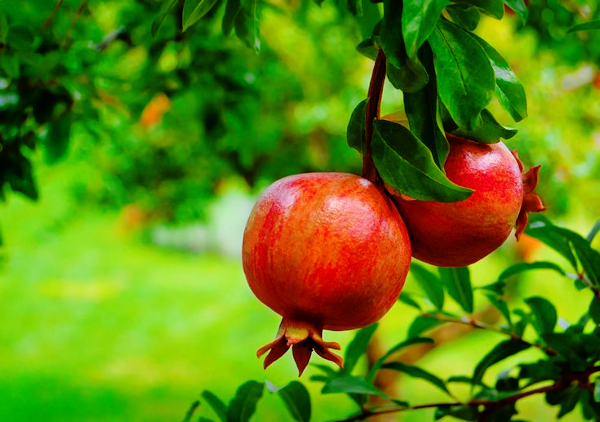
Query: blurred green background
{"x": 121, "y": 288}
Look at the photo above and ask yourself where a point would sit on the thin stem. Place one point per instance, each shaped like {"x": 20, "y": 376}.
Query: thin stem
{"x": 51, "y": 17}
{"x": 373, "y": 111}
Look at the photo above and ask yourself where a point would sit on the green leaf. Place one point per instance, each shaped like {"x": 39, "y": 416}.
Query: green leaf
{"x": 416, "y": 372}
{"x": 407, "y": 165}
{"x": 586, "y": 26}
{"x": 539, "y": 371}
{"x": 402, "y": 345}
{"x": 232, "y": 9}
{"x": 421, "y": 324}
{"x": 528, "y": 266}
{"x": 430, "y": 284}
{"x": 352, "y": 384}
{"x": 509, "y": 89}
{"x": 246, "y": 25}
{"x": 493, "y": 8}
{"x": 595, "y": 310}
{"x": 501, "y": 305}
{"x": 466, "y": 80}
{"x": 462, "y": 412}
{"x": 20, "y": 177}
{"x": 593, "y": 232}
{"x": 20, "y": 38}
{"x": 368, "y": 49}
{"x": 194, "y": 10}
{"x": 597, "y": 391}
{"x": 519, "y": 7}
{"x": 216, "y": 404}
{"x": 4, "y": 28}
{"x": 464, "y": 15}
{"x": 56, "y": 142}
{"x": 190, "y": 413}
{"x": 489, "y": 131}
{"x": 355, "y": 7}
{"x": 542, "y": 229}
{"x": 570, "y": 347}
{"x": 405, "y": 74}
{"x": 9, "y": 64}
{"x": 422, "y": 112}
{"x": 407, "y": 299}
{"x": 165, "y": 9}
{"x": 419, "y": 19}
{"x": 243, "y": 405}
{"x": 458, "y": 286}
{"x": 544, "y": 315}
{"x": 296, "y": 398}
{"x": 500, "y": 352}
{"x": 357, "y": 347}
{"x": 356, "y": 133}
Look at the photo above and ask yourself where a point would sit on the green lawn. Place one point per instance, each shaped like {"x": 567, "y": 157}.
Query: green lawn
{"x": 99, "y": 325}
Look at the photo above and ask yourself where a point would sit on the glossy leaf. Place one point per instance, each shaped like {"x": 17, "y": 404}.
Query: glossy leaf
{"x": 519, "y": 7}
{"x": 466, "y": 80}
{"x": 421, "y": 324}
{"x": 458, "y": 286}
{"x": 402, "y": 345}
{"x": 352, "y": 384}
{"x": 405, "y": 74}
{"x": 246, "y": 24}
{"x": 419, "y": 19}
{"x": 165, "y": 9}
{"x": 422, "y": 112}
{"x": 296, "y": 398}
{"x": 500, "y": 352}
{"x": 356, "y": 132}
{"x": 544, "y": 314}
{"x": 493, "y": 8}
{"x": 407, "y": 165}
{"x": 528, "y": 266}
{"x": 216, "y": 405}
{"x": 489, "y": 130}
{"x": 430, "y": 284}
{"x": 464, "y": 15}
{"x": 232, "y": 9}
{"x": 586, "y": 26}
{"x": 416, "y": 372}
{"x": 542, "y": 229}
{"x": 368, "y": 49}
{"x": 243, "y": 405}
{"x": 194, "y": 10}
{"x": 357, "y": 347}
{"x": 509, "y": 89}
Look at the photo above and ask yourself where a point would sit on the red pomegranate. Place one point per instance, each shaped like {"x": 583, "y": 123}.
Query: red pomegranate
{"x": 324, "y": 251}
{"x": 456, "y": 234}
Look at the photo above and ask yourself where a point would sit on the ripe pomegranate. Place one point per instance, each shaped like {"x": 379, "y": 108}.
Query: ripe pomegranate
{"x": 456, "y": 234}
{"x": 324, "y": 251}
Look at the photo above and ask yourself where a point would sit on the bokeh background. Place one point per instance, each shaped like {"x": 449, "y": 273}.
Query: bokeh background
{"x": 122, "y": 295}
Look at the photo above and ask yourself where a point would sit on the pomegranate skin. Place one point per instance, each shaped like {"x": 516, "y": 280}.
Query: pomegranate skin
{"x": 456, "y": 234}
{"x": 324, "y": 251}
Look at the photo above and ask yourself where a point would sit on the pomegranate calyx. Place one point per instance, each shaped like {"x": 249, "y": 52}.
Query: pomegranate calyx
{"x": 303, "y": 338}
{"x": 531, "y": 201}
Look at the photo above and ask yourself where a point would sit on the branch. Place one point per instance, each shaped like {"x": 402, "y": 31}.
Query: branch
{"x": 373, "y": 110}
{"x": 51, "y": 17}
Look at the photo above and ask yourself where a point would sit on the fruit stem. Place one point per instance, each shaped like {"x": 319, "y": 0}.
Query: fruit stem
{"x": 369, "y": 171}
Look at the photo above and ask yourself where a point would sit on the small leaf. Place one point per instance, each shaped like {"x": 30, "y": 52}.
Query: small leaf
{"x": 352, "y": 384}
{"x": 402, "y": 345}
{"x": 243, "y": 405}
{"x": 595, "y": 310}
{"x": 357, "y": 347}
{"x": 4, "y": 28}
{"x": 165, "y": 9}
{"x": 430, "y": 284}
{"x": 502, "y": 306}
{"x": 216, "y": 404}
{"x": 462, "y": 412}
{"x": 356, "y": 132}
{"x": 194, "y": 10}
{"x": 232, "y": 9}
{"x": 190, "y": 413}
{"x": 500, "y": 352}
{"x": 297, "y": 400}
{"x": 493, "y": 8}
{"x": 519, "y": 7}
{"x": 597, "y": 391}
{"x": 418, "y": 21}
{"x": 56, "y": 142}
{"x": 544, "y": 314}
{"x": 20, "y": 38}
{"x": 542, "y": 229}
{"x": 464, "y": 15}
{"x": 466, "y": 80}
{"x": 416, "y": 372}
{"x": 407, "y": 299}
{"x": 586, "y": 26}
{"x": 489, "y": 131}
{"x": 593, "y": 232}
{"x": 355, "y": 7}
{"x": 368, "y": 49}
{"x": 246, "y": 25}
{"x": 509, "y": 89}
{"x": 407, "y": 165}
{"x": 528, "y": 266}
{"x": 21, "y": 177}
{"x": 458, "y": 286}
{"x": 422, "y": 324}
{"x": 542, "y": 370}
{"x": 410, "y": 77}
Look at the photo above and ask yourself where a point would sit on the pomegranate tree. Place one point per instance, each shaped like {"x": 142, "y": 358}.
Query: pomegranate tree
{"x": 324, "y": 251}
{"x": 456, "y": 234}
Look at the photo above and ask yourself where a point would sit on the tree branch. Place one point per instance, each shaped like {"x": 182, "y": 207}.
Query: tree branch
{"x": 373, "y": 110}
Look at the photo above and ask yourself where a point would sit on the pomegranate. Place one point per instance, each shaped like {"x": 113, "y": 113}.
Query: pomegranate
{"x": 324, "y": 251}
{"x": 456, "y": 234}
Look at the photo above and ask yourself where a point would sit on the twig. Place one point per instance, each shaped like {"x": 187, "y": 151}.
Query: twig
{"x": 51, "y": 17}
{"x": 373, "y": 109}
